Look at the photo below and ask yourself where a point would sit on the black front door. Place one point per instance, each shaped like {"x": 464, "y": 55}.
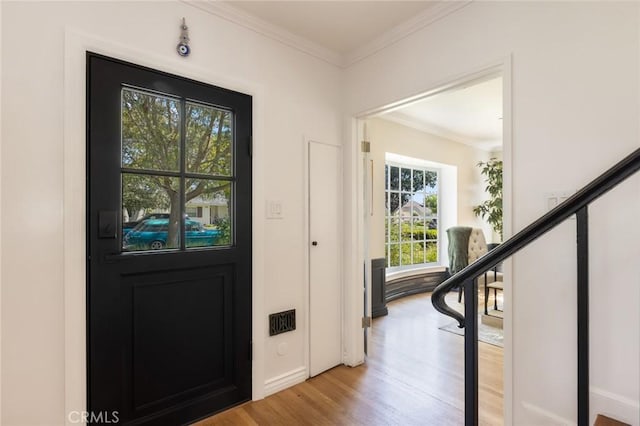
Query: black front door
{"x": 169, "y": 294}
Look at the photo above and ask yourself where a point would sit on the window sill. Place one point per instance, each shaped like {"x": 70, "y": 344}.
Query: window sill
{"x": 414, "y": 271}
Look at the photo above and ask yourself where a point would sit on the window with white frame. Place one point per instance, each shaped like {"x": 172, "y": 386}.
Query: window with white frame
{"x": 193, "y": 211}
{"x": 411, "y": 222}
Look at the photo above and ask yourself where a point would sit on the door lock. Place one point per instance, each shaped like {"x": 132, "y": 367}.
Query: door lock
{"x": 315, "y": 243}
{"x": 107, "y": 224}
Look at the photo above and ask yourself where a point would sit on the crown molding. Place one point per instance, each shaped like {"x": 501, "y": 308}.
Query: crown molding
{"x": 404, "y": 120}
{"x": 229, "y": 13}
{"x": 434, "y": 13}
{"x": 262, "y": 27}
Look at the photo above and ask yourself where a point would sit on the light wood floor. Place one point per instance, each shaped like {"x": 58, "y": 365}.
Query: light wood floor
{"x": 413, "y": 376}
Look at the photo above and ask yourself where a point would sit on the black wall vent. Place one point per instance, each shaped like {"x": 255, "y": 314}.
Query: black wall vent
{"x": 282, "y": 322}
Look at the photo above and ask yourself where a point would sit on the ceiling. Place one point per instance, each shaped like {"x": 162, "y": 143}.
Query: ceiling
{"x": 343, "y": 32}
{"x": 470, "y": 114}
{"x": 340, "y": 26}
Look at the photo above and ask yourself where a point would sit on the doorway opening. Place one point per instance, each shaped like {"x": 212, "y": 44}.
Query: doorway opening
{"x": 422, "y": 175}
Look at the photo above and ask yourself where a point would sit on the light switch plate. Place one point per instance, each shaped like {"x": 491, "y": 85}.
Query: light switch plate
{"x": 274, "y": 209}
{"x": 553, "y": 199}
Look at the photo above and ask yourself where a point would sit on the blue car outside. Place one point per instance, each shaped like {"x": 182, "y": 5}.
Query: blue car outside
{"x": 128, "y": 226}
{"x": 152, "y": 234}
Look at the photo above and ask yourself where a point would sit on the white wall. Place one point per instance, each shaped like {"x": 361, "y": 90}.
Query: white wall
{"x": 387, "y": 136}
{"x": 575, "y": 112}
{"x": 1, "y": 212}
{"x": 299, "y": 95}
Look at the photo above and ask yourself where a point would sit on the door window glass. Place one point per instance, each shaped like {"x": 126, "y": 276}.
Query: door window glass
{"x": 212, "y": 198}
{"x": 147, "y": 224}
{"x": 208, "y": 140}
{"x": 176, "y": 160}
{"x": 150, "y": 131}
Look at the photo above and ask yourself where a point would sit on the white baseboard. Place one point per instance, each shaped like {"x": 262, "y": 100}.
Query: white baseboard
{"x": 286, "y": 380}
{"x": 539, "y": 416}
{"x": 601, "y": 401}
{"x": 613, "y": 405}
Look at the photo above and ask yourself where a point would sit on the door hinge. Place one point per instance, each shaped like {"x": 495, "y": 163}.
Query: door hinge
{"x": 250, "y": 147}
{"x": 365, "y": 146}
{"x": 251, "y": 350}
{"x": 366, "y": 322}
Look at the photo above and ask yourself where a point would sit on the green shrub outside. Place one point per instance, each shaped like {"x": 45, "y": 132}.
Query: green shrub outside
{"x": 412, "y": 242}
{"x": 419, "y": 232}
{"x": 224, "y": 226}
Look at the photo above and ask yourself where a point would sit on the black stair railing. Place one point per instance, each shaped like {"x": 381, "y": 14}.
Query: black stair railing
{"x": 466, "y": 279}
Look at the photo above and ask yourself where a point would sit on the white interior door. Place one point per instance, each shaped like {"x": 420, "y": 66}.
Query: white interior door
{"x": 325, "y": 289}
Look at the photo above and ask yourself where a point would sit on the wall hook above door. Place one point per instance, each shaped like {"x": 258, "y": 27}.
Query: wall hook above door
{"x": 183, "y": 47}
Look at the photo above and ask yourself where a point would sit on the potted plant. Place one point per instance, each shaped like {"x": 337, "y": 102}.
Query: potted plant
{"x": 491, "y": 209}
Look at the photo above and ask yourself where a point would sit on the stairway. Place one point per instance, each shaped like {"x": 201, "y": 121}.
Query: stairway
{"x": 467, "y": 279}
{"x": 608, "y": 421}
